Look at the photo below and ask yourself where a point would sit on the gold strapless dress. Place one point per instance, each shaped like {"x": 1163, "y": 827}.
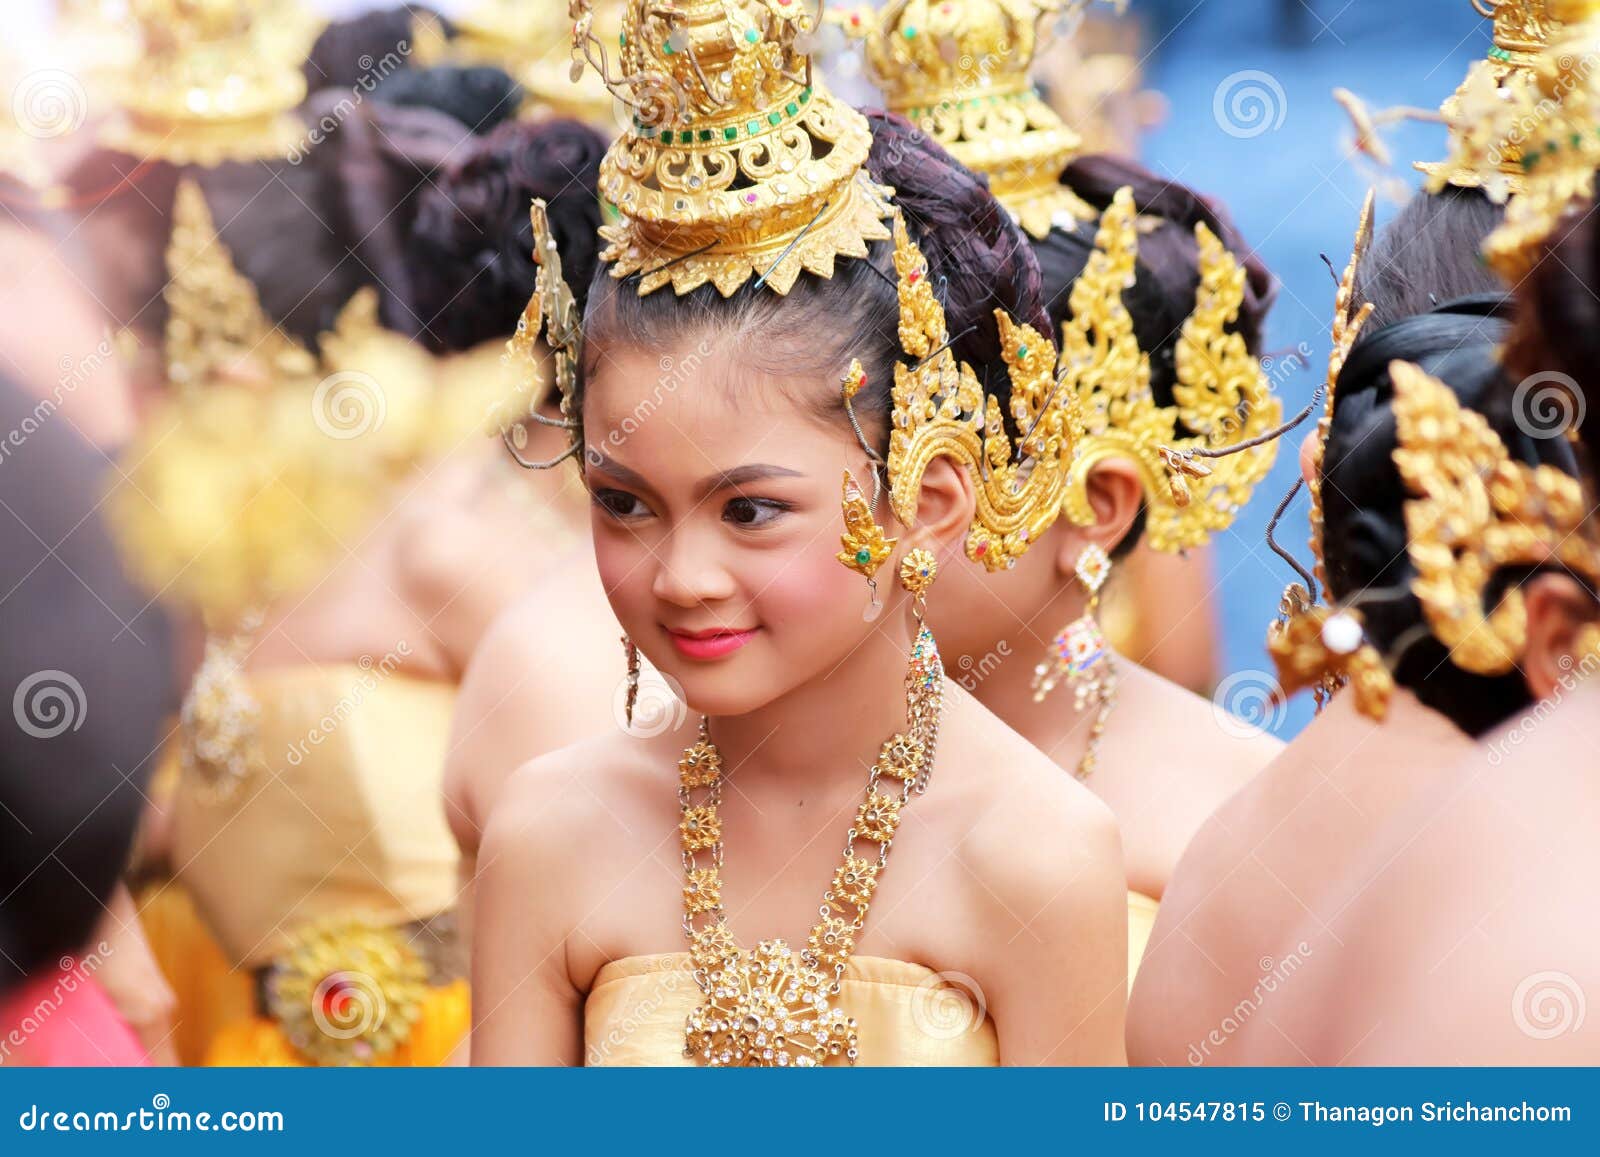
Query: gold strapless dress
{"x": 1141, "y": 921}
{"x": 907, "y": 1015}
{"x": 340, "y": 819}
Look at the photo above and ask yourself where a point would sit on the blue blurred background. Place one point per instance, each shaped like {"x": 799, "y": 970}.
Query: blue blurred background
{"x": 1286, "y": 173}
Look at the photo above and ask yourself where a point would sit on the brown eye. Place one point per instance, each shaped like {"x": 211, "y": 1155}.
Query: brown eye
{"x": 619, "y": 504}
{"x": 753, "y": 512}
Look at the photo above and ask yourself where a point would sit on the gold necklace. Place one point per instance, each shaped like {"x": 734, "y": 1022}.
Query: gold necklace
{"x": 772, "y": 1006}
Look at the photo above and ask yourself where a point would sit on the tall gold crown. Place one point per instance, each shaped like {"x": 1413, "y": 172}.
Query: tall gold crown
{"x": 1486, "y": 152}
{"x": 941, "y": 411}
{"x": 211, "y": 85}
{"x": 1221, "y": 395}
{"x": 214, "y": 315}
{"x": 1475, "y": 511}
{"x": 1558, "y": 115}
{"x": 739, "y": 163}
{"x": 959, "y": 70}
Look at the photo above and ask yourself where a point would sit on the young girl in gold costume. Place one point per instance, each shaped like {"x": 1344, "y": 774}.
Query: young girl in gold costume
{"x": 626, "y": 885}
{"x": 341, "y": 519}
{"x": 1160, "y": 310}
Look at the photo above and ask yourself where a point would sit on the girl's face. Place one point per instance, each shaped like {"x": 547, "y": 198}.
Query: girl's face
{"x": 716, "y": 519}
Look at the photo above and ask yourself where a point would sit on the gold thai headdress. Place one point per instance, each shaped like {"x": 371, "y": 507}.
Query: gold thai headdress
{"x": 211, "y": 85}
{"x": 1474, "y": 512}
{"x": 1558, "y": 117}
{"x": 1222, "y": 397}
{"x": 738, "y": 163}
{"x": 959, "y": 70}
{"x": 1486, "y": 151}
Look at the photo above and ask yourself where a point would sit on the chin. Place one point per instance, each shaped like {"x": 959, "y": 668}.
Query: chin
{"x": 736, "y": 685}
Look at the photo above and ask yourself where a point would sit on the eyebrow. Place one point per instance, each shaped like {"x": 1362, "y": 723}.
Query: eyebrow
{"x": 742, "y": 476}
{"x": 722, "y": 480}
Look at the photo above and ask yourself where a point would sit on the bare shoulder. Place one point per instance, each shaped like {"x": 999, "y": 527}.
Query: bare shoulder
{"x": 1034, "y": 828}
{"x": 590, "y": 790}
{"x": 1217, "y": 747}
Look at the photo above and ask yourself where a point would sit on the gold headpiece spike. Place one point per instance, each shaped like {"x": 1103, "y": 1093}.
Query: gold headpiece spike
{"x": 1221, "y": 395}
{"x": 213, "y": 83}
{"x": 1556, "y": 116}
{"x": 1486, "y": 148}
{"x": 940, "y": 410}
{"x": 1474, "y": 512}
{"x": 959, "y": 70}
{"x": 737, "y": 164}
{"x": 214, "y": 316}
{"x": 552, "y": 313}
{"x": 1347, "y": 327}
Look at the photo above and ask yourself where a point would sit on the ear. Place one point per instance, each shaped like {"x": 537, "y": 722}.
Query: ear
{"x": 946, "y": 506}
{"x": 1558, "y": 610}
{"x": 1116, "y": 495}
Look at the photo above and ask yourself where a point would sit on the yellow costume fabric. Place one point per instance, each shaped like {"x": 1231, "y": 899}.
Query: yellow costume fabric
{"x": 906, "y": 1014}
{"x": 1141, "y": 921}
{"x": 446, "y": 1017}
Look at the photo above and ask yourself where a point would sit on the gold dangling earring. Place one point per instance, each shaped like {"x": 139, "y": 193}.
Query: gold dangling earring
{"x": 632, "y": 652}
{"x": 925, "y": 675}
{"x": 1081, "y": 655}
{"x": 865, "y": 547}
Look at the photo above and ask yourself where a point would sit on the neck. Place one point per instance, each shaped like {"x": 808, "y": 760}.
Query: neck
{"x": 1002, "y": 680}
{"x": 826, "y": 731}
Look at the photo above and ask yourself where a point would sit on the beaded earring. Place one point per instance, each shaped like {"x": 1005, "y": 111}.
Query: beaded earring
{"x": 632, "y": 653}
{"x": 1081, "y": 656}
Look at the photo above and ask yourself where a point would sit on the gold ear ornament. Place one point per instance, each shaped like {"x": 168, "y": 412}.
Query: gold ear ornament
{"x": 551, "y": 313}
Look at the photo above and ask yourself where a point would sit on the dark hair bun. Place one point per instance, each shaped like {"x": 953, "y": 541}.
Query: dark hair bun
{"x": 472, "y": 235}
{"x": 1363, "y": 496}
{"x": 1429, "y": 254}
{"x": 349, "y": 52}
{"x": 480, "y": 98}
{"x": 1558, "y": 318}
{"x": 967, "y": 236}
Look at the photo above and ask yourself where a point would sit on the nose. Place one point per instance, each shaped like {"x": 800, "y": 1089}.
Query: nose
{"x": 689, "y": 570}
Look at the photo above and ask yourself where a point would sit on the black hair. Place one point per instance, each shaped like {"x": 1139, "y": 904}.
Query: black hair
{"x": 977, "y": 257}
{"x": 1429, "y": 254}
{"x": 1168, "y": 272}
{"x": 1363, "y": 496}
{"x": 405, "y": 198}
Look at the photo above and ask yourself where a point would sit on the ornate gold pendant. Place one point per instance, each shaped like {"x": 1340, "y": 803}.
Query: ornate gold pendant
{"x": 768, "y": 1008}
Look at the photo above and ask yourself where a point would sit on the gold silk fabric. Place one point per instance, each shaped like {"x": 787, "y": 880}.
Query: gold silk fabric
{"x": 906, "y": 1015}
{"x": 345, "y": 819}
{"x": 1141, "y": 921}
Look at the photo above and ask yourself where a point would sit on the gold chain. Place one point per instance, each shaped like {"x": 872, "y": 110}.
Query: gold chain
{"x": 772, "y": 1006}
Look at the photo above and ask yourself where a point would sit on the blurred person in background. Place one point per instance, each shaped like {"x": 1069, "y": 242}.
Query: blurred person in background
{"x": 315, "y": 483}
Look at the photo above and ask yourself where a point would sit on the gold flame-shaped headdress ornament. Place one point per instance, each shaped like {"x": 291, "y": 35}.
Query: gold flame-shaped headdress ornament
{"x": 1486, "y": 151}
{"x": 212, "y": 84}
{"x": 1222, "y": 397}
{"x": 738, "y": 163}
{"x": 1474, "y": 512}
{"x": 959, "y": 70}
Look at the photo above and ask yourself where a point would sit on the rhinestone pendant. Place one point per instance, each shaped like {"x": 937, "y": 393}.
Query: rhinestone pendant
{"x": 767, "y": 1008}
